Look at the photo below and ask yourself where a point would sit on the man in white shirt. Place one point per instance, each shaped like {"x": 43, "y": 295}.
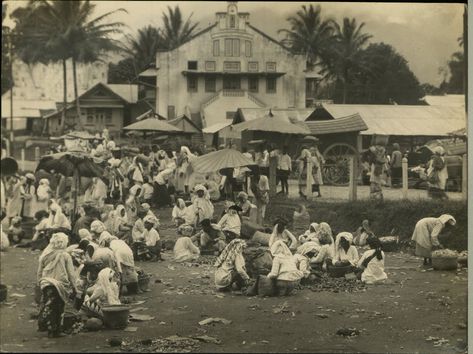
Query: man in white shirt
{"x": 151, "y": 238}
{"x": 284, "y": 169}
{"x": 230, "y": 223}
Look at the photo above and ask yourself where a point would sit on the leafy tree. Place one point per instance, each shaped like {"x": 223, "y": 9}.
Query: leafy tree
{"x": 309, "y": 34}
{"x": 176, "y": 31}
{"x": 385, "y": 78}
{"x": 7, "y": 80}
{"x": 346, "y": 52}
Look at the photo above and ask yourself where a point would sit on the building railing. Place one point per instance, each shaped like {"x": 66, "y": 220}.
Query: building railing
{"x": 256, "y": 100}
{"x": 233, "y": 93}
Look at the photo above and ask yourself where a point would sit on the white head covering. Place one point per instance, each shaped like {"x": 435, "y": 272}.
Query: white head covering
{"x": 151, "y": 219}
{"x": 105, "y": 237}
{"x": 84, "y": 234}
{"x": 279, "y": 248}
{"x": 97, "y": 226}
{"x": 109, "y": 288}
{"x": 111, "y": 145}
{"x": 445, "y": 218}
{"x": 44, "y": 182}
{"x": 346, "y": 235}
{"x": 313, "y": 226}
{"x": 439, "y": 150}
{"x": 181, "y": 203}
{"x": 263, "y": 182}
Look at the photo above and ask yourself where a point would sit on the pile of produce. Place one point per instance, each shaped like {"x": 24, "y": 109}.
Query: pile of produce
{"x": 172, "y": 344}
{"x": 206, "y": 259}
{"x": 335, "y": 285}
{"x": 445, "y": 253}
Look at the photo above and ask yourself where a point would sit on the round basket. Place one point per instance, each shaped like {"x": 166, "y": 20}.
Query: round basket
{"x": 389, "y": 245}
{"x": 115, "y": 316}
{"x": 444, "y": 263}
{"x": 338, "y": 272}
{"x": 3, "y": 292}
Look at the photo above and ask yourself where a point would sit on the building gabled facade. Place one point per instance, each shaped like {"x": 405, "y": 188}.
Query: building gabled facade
{"x": 229, "y": 65}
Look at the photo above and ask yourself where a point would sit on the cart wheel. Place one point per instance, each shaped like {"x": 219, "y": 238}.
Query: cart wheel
{"x": 336, "y": 170}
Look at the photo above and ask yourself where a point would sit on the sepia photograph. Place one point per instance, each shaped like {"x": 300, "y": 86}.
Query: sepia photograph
{"x": 234, "y": 177}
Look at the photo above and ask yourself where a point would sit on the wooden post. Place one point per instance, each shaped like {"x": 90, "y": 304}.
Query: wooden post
{"x": 359, "y": 149}
{"x": 405, "y": 185}
{"x": 352, "y": 195}
{"x": 22, "y": 159}
{"x": 273, "y": 165}
{"x": 308, "y": 191}
{"x": 465, "y": 177}
{"x": 37, "y": 156}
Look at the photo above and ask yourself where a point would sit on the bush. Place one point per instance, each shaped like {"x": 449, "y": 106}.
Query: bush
{"x": 400, "y": 216}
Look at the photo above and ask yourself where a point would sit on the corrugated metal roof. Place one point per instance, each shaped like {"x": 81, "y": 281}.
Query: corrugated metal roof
{"x": 446, "y": 100}
{"x": 288, "y": 114}
{"x": 128, "y": 92}
{"x": 216, "y": 127}
{"x": 180, "y": 123}
{"x": 403, "y": 120}
{"x": 353, "y": 123}
{"x": 26, "y": 108}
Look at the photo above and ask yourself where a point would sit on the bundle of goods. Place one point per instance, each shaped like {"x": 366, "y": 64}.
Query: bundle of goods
{"x": 463, "y": 258}
{"x": 258, "y": 261}
{"x": 389, "y": 243}
{"x": 248, "y": 229}
{"x": 261, "y": 238}
{"x": 444, "y": 259}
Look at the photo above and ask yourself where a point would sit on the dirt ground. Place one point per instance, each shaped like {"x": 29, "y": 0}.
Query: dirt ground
{"x": 415, "y": 311}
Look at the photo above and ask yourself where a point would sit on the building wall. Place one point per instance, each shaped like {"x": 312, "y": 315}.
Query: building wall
{"x": 172, "y": 84}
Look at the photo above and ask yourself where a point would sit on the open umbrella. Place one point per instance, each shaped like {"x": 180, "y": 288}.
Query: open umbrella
{"x": 73, "y": 164}
{"x": 271, "y": 123}
{"x": 217, "y": 160}
{"x": 152, "y": 125}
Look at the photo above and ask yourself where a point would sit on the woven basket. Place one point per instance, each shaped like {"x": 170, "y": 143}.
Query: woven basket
{"x": 338, "y": 272}
{"x": 444, "y": 263}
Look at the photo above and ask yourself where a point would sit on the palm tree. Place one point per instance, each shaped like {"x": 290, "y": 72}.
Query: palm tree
{"x": 176, "y": 31}
{"x": 143, "y": 47}
{"x": 309, "y": 34}
{"x": 59, "y": 30}
{"x": 349, "y": 41}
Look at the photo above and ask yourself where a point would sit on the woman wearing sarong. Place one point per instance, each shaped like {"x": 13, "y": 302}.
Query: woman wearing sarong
{"x": 185, "y": 250}
{"x": 105, "y": 291}
{"x": 57, "y": 280}
{"x": 426, "y": 235}
{"x": 231, "y": 267}
{"x": 437, "y": 175}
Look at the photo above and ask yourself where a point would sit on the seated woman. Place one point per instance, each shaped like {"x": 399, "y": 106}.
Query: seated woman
{"x": 231, "y": 267}
{"x": 119, "y": 224}
{"x": 57, "y": 222}
{"x": 179, "y": 212}
{"x": 147, "y": 208}
{"x": 84, "y": 234}
{"x": 15, "y": 232}
{"x": 280, "y": 233}
{"x": 211, "y": 237}
{"x": 284, "y": 270}
{"x": 372, "y": 263}
{"x": 244, "y": 204}
{"x": 185, "y": 250}
{"x": 230, "y": 223}
{"x": 303, "y": 264}
{"x": 362, "y": 234}
{"x": 310, "y": 235}
{"x": 41, "y": 217}
{"x": 345, "y": 253}
{"x": 96, "y": 229}
{"x": 151, "y": 238}
{"x": 105, "y": 291}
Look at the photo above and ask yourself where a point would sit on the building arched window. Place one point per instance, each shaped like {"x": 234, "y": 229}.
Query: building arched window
{"x": 232, "y": 21}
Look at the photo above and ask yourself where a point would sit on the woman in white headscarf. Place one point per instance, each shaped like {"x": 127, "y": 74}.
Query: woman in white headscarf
{"x": 310, "y": 235}
{"x": 15, "y": 202}
{"x": 57, "y": 220}
{"x": 179, "y": 212}
{"x": 426, "y": 233}
{"x": 96, "y": 193}
{"x": 284, "y": 270}
{"x": 57, "y": 280}
{"x": 43, "y": 194}
{"x": 231, "y": 266}
{"x": 345, "y": 252}
{"x": 185, "y": 250}
{"x": 303, "y": 160}
{"x": 437, "y": 174}
{"x": 184, "y": 169}
{"x": 96, "y": 229}
{"x": 118, "y": 223}
{"x": 29, "y": 207}
{"x": 105, "y": 291}
{"x": 203, "y": 207}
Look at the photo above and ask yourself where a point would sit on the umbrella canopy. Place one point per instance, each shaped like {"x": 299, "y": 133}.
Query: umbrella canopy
{"x": 217, "y": 160}
{"x": 153, "y": 124}
{"x": 66, "y": 162}
{"x": 271, "y": 123}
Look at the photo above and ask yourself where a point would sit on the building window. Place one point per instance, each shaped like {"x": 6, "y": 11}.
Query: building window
{"x": 191, "y": 84}
{"x": 253, "y": 84}
{"x": 230, "y": 115}
{"x": 90, "y": 116}
{"x": 232, "y": 47}
{"x": 216, "y": 48}
{"x": 232, "y": 21}
{"x": 270, "y": 66}
{"x": 210, "y": 84}
{"x": 108, "y": 116}
{"x": 248, "y": 48}
{"x": 231, "y": 83}
{"x": 192, "y": 65}
{"x": 253, "y": 66}
{"x": 209, "y": 66}
{"x": 231, "y": 66}
{"x": 271, "y": 85}
{"x": 171, "y": 112}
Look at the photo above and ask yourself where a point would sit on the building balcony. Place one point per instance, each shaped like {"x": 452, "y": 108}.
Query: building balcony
{"x": 233, "y": 93}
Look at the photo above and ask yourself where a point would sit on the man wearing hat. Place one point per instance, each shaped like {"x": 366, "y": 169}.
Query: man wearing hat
{"x": 230, "y": 223}
{"x": 151, "y": 238}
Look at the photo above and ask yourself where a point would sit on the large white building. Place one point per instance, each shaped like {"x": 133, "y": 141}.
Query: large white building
{"x": 229, "y": 65}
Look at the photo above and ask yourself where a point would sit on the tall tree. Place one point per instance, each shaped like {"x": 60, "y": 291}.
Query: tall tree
{"x": 349, "y": 40}
{"x": 176, "y": 31}
{"x": 7, "y": 80}
{"x": 385, "y": 78}
{"x": 309, "y": 34}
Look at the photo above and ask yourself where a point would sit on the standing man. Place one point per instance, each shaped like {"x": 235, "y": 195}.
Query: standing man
{"x": 396, "y": 166}
{"x": 284, "y": 169}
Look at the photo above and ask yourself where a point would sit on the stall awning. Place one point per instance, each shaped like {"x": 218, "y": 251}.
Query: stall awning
{"x": 216, "y": 127}
{"x": 353, "y": 123}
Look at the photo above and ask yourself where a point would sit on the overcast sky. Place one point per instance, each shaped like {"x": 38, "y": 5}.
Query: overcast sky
{"x": 425, "y": 34}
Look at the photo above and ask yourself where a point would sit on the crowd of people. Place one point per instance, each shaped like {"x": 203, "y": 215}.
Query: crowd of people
{"x": 89, "y": 256}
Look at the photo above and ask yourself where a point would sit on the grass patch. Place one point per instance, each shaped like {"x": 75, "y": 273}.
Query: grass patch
{"x": 384, "y": 216}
